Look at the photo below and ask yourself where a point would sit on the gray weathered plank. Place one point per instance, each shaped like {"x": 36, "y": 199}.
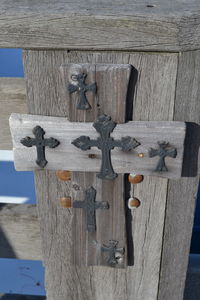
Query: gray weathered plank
{"x": 68, "y": 157}
{"x": 154, "y": 100}
{"x": 19, "y": 232}
{"x": 12, "y": 99}
{"x": 181, "y": 197}
{"x": 132, "y": 25}
{"x": 112, "y": 82}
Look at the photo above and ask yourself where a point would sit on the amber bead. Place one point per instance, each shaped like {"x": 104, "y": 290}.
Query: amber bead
{"x": 66, "y": 202}
{"x": 133, "y": 203}
{"x": 64, "y": 175}
{"x": 132, "y": 178}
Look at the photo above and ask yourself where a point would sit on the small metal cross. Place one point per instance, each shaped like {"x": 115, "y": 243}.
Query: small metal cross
{"x": 40, "y": 142}
{"x": 90, "y": 206}
{"x": 104, "y": 126}
{"x": 82, "y": 88}
{"x": 164, "y": 150}
{"x": 114, "y": 254}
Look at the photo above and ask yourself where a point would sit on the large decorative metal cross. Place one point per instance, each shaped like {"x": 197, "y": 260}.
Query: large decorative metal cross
{"x": 82, "y": 88}
{"x": 104, "y": 126}
{"x": 164, "y": 150}
{"x": 90, "y": 206}
{"x": 40, "y": 142}
{"x": 114, "y": 254}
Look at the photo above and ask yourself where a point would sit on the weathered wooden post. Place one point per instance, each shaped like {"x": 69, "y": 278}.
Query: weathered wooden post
{"x": 133, "y": 62}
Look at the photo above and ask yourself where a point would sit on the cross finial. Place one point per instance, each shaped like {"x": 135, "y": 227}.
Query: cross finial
{"x": 164, "y": 150}
{"x": 114, "y": 254}
{"x": 82, "y": 88}
{"x": 40, "y": 142}
{"x": 90, "y": 205}
{"x": 104, "y": 126}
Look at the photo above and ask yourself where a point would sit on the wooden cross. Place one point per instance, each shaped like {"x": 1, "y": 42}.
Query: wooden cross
{"x": 104, "y": 126}
{"x": 90, "y": 206}
{"x": 82, "y": 88}
{"x": 40, "y": 142}
{"x": 114, "y": 253}
{"x": 163, "y": 151}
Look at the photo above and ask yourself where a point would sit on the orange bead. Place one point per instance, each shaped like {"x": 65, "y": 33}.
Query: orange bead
{"x": 132, "y": 178}
{"x": 133, "y": 203}
{"x": 64, "y": 175}
{"x": 66, "y": 202}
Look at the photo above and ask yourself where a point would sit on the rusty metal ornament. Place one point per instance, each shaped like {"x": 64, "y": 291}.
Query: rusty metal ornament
{"x": 90, "y": 205}
{"x": 104, "y": 126}
{"x": 82, "y": 88}
{"x": 164, "y": 150}
{"x": 40, "y": 142}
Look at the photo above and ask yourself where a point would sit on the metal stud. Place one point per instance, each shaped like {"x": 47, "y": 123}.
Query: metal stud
{"x": 133, "y": 203}
{"x": 64, "y": 175}
{"x": 66, "y": 202}
{"x": 135, "y": 178}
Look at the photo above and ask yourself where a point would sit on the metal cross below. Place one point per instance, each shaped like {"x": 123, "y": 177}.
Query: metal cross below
{"x": 90, "y": 206}
{"x": 114, "y": 254}
{"x": 40, "y": 142}
{"x": 104, "y": 126}
{"x": 164, "y": 150}
{"x": 82, "y": 88}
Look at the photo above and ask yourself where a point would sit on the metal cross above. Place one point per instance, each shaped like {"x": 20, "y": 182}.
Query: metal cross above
{"x": 40, "y": 142}
{"x": 82, "y": 88}
{"x": 90, "y": 206}
{"x": 164, "y": 150}
{"x": 104, "y": 126}
{"x": 114, "y": 254}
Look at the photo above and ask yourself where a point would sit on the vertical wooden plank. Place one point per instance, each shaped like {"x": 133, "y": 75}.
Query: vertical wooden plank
{"x": 154, "y": 100}
{"x": 155, "y": 86}
{"x": 112, "y": 85}
{"x": 181, "y": 197}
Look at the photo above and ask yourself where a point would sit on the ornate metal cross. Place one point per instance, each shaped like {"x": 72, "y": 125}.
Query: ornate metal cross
{"x": 90, "y": 206}
{"x": 40, "y": 142}
{"x": 82, "y": 88}
{"x": 164, "y": 150}
{"x": 114, "y": 253}
{"x": 104, "y": 126}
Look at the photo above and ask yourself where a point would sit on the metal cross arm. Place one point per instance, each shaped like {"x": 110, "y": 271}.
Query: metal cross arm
{"x": 165, "y": 150}
{"x": 104, "y": 126}
{"x": 40, "y": 142}
{"x": 82, "y": 88}
{"x": 111, "y": 148}
{"x": 90, "y": 205}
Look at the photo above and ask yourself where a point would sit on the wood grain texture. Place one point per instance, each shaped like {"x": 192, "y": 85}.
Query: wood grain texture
{"x": 112, "y": 82}
{"x": 20, "y": 232}
{"x": 153, "y": 100}
{"x": 132, "y": 25}
{"x": 68, "y": 157}
{"x": 182, "y": 193}
{"x": 12, "y": 99}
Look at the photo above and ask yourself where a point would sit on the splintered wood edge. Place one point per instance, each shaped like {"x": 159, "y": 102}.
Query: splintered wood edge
{"x": 147, "y": 133}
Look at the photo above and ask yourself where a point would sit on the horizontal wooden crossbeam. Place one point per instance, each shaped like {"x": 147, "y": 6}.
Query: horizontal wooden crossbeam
{"x": 168, "y": 26}
{"x": 68, "y": 157}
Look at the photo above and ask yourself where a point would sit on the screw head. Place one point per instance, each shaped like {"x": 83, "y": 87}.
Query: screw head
{"x": 66, "y": 202}
{"x": 133, "y": 203}
{"x": 133, "y": 178}
{"x": 64, "y": 175}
